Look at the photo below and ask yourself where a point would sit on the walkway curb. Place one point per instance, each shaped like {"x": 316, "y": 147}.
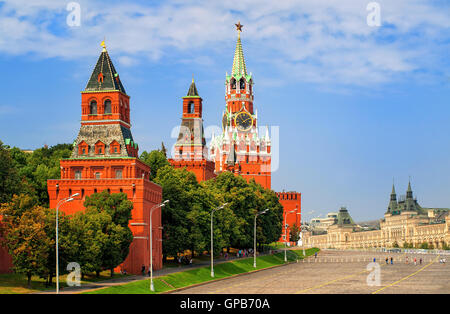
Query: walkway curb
{"x": 220, "y": 279}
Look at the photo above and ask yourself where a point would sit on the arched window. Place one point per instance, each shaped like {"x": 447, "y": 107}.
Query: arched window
{"x": 107, "y": 106}
{"x": 191, "y": 107}
{"x": 233, "y": 83}
{"x": 93, "y": 107}
{"x": 242, "y": 83}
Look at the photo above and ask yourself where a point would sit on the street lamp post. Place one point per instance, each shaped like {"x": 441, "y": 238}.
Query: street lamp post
{"x": 285, "y": 233}
{"x": 152, "y": 287}
{"x": 303, "y": 239}
{"x": 254, "y": 236}
{"x": 63, "y": 201}
{"x": 303, "y": 234}
{"x": 212, "y": 238}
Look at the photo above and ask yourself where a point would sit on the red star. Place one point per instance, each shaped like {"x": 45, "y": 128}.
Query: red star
{"x": 239, "y": 26}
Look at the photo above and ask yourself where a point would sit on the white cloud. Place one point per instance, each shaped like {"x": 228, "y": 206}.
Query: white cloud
{"x": 314, "y": 41}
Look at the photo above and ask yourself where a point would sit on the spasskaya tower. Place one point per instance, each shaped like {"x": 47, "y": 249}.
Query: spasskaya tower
{"x": 239, "y": 148}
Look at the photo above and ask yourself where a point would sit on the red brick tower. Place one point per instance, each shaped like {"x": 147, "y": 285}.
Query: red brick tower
{"x": 291, "y": 201}
{"x": 190, "y": 150}
{"x": 104, "y": 157}
{"x": 239, "y": 148}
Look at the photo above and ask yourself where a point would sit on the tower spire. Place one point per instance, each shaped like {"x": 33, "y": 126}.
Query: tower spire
{"x": 393, "y": 205}
{"x": 192, "y": 92}
{"x": 104, "y": 77}
{"x": 409, "y": 192}
{"x": 239, "y": 68}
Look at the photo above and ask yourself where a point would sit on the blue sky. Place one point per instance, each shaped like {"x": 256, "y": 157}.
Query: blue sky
{"x": 356, "y": 106}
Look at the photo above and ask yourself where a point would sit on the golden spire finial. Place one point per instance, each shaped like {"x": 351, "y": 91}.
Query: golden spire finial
{"x": 239, "y": 28}
{"x": 103, "y": 44}
{"x": 192, "y": 78}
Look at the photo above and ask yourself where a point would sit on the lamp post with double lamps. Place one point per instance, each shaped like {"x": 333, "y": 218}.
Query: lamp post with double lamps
{"x": 285, "y": 233}
{"x": 152, "y": 287}
{"x": 212, "y": 238}
{"x": 254, "y": 236}
{"x": 63, "y": 201}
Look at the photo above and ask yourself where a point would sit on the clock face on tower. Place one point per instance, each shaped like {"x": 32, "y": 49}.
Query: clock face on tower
{"x": 243, "y": 121}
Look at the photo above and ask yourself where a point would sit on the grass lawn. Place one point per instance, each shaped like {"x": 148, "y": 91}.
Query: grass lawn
{"x": 17, "y": 283}
{"x": 203, "y": 274}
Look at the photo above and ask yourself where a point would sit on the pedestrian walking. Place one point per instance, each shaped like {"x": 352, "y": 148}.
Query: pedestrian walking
{"x": 387, "y": 260}
{"x": 406, "y": 259}
{"x": 143, "y": 270}
{"x": 415, "y": 261}
{"x": 392, "y": 261}
{"x": 420, "y": 261}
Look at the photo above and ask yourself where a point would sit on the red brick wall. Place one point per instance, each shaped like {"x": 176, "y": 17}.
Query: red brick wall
{"x": 203, "y": 169}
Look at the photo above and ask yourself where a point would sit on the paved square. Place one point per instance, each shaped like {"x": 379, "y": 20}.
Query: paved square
{"x": 341, "y": 272}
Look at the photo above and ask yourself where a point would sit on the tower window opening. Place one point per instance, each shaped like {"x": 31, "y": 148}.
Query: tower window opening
{"x": 108, "y": 106}
{"x": 242, "y": 83}
{"x": 191, "y": 107}
{"x": 93, "y": 107}
{"x": 233, "y": 83}
{"x": 78, "y": 174}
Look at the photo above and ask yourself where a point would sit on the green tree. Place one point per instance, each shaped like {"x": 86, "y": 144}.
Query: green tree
{"x": 82, "y": 241}
{"x": 25, "y": 237}
{"x": 177, "y": 185}
{"x": 9, "y": 179}
{"x": 156, "y": 159}
{"x": 36, "y": 168}
{"x": 294, "y": 234}
{"x": 112, "y": 213}
{"x": 245, "y": 200}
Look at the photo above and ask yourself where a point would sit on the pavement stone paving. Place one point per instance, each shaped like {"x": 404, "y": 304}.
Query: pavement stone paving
{"x": 340, "y": 272}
